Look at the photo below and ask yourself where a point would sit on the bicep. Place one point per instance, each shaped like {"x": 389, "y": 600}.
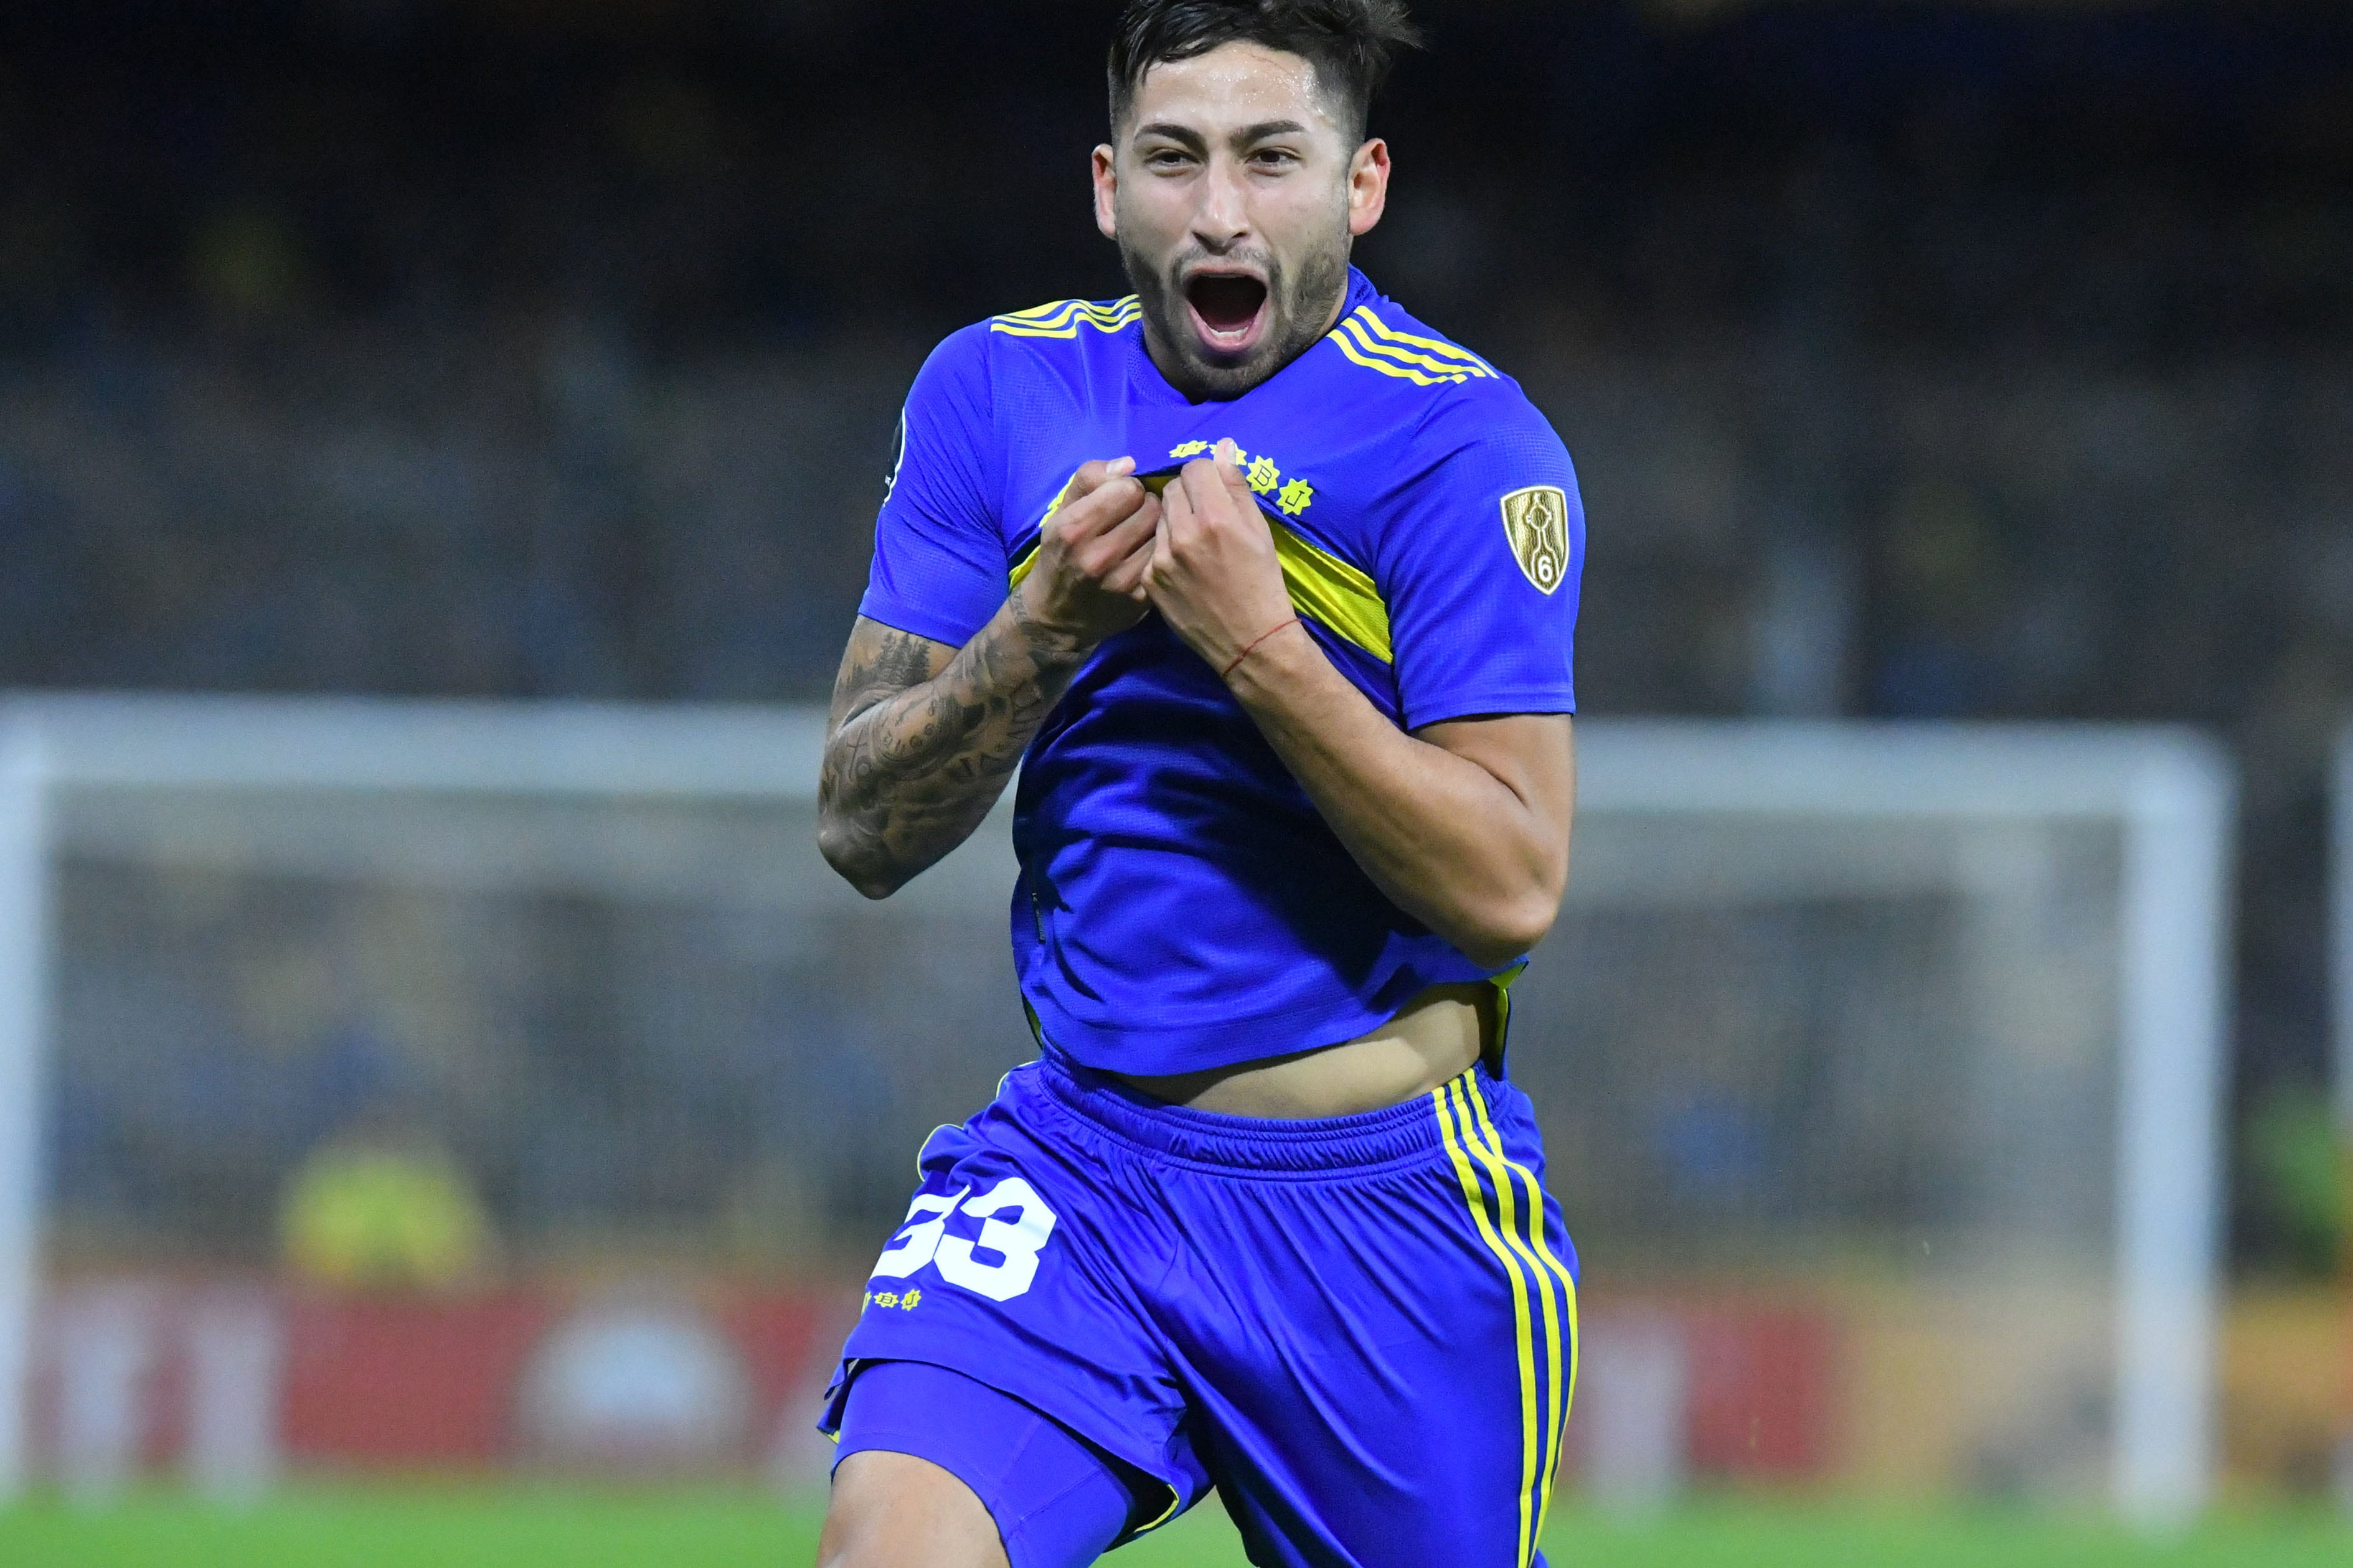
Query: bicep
{"x": 880, "y": 662}
{"x": 1532, "y": 755}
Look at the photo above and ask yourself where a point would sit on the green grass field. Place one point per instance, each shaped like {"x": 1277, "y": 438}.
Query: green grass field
{"x": 454, "y": 1528}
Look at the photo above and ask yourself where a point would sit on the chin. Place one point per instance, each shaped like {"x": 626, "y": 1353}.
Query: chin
{"x": 1224, "y": 377}
{"x": 1227, "y": 325}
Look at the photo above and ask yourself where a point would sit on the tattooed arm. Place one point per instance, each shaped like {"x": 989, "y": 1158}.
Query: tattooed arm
{"x": 924, "y": 736}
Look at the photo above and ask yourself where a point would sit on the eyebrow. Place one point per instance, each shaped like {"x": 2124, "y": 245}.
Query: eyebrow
{"x": 1185, "y": 135}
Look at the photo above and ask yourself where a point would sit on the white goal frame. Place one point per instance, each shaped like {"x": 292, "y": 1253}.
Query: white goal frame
{"x": 2171, "y": 791}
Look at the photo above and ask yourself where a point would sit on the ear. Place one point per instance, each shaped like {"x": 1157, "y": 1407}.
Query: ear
{"x": 1106, "y": 174}
{"x": 1368, "y": 187}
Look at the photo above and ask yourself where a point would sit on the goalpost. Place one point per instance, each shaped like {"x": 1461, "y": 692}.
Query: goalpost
{"x": 1919, "y": 1028}
{"x": 2171, "y": 796}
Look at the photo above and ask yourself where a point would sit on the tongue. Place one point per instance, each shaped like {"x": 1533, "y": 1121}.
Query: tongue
{"x": 1228, "y": 304}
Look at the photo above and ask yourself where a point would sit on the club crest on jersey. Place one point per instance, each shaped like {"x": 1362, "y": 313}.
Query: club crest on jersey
{"x": 1536, "y": 520}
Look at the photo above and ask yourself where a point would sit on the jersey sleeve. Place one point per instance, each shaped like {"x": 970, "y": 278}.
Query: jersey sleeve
{"x": 1480, "y": 571}
{"x": 939, "y": 559}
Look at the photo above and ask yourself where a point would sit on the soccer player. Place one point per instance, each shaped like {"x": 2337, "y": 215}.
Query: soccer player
{"x": 1271, "y": 589}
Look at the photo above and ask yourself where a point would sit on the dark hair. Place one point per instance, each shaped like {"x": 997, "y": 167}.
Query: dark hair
{"x": 1349, "y": 42}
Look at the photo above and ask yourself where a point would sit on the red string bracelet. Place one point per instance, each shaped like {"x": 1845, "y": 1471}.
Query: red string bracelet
{"x": 1229, "y": 669}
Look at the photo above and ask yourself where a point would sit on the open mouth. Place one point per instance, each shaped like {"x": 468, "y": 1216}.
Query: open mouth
{"x": 1229, "y": 310}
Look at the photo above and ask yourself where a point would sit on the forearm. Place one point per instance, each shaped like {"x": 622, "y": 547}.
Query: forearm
{"x": 909, "y": 775}
{"x": 1447, "y": 840}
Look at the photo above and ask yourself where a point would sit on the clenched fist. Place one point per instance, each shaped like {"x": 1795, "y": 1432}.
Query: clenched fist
{"x": 1087, "y": 581}
{"x": 1215, "y": 576}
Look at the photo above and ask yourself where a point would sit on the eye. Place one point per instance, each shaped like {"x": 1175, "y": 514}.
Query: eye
{"x": 1274, "y": 158}
{"x": 1166, "y": 158}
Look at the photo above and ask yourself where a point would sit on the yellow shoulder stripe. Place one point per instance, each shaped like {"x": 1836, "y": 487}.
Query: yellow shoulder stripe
{"x": 1437, "y": 346}
{"x": 1352, "y": 332}
{"x": 1063, "y": 318}
{"x": 1322, "y": 587}
{"x": 1403, "y": 373}
{"x": 1370, "y": 341}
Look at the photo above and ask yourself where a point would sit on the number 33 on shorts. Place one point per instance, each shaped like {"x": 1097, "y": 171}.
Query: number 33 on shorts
{"x": 1018, "y": 1240}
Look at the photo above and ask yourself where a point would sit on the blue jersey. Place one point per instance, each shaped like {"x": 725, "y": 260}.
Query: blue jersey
{"x": 1181, "y": 904}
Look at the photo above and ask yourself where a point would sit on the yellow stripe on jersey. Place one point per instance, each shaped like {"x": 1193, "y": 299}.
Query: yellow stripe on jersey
{"x": 1372, "y": 342}
{"x": 1443, "y": 1100}
{"x": 1331, "y": 591}
{"x": 1354, "y": 331}
{"x": 1029, "y": 556}
{"x": 1041, "y": 312}
{"x": 1559, "y": 1400}
{"x": 1402, "y": 371}
{"x": 1062, "y": 313}
{"x": 1437, "y": 346}
{"x": 1063, "y": 318}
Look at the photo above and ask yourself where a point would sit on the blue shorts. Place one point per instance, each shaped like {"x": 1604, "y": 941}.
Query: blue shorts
{"x": 1362, "y": 1330}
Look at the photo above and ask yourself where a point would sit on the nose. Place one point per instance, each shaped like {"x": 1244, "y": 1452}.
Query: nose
{"x": 1222, "y": 219}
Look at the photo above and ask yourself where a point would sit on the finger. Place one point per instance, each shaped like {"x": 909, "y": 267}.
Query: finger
{"x": 1177, "y": 508}
{"x": 1093, "y": 476}
{"x": 1098, "y": 557}
{"x": 1237, "y": 485}
{"x": 1127, "y": 576}
{"x": 1112, "y": 503}
{"x": 1148, "y": 525}
{"x": 1217, "y": 498}
{"x": 1222, "y": 487}
{"x": 1163, "y": 564}
{"x": 1202, "y": 486}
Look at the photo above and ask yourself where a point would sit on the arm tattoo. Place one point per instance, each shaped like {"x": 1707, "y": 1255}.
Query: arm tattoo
{"x": 924, "y": 740}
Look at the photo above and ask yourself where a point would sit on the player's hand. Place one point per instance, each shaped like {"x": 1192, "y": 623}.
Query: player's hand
{"x": 1215, "y": 577}
{"x": 1092, "y": 556}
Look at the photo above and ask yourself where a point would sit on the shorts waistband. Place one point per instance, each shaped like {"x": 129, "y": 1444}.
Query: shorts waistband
{"x": 1396, "y": 1134}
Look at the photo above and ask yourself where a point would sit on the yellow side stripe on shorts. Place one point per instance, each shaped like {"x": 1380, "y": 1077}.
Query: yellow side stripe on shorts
{"x": 1483, "y": 1139}
{"x": 1562, "y": 1401}
{"x": 1474, "y": 1197}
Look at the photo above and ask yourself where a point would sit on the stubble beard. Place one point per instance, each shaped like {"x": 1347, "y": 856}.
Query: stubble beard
{"x": 1302, "y": 306}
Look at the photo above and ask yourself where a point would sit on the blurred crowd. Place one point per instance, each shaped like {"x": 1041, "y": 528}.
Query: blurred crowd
{"x": 1919, "y": 362}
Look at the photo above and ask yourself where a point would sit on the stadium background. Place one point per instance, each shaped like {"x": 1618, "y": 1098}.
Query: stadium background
{"x": 1921, "y": 360}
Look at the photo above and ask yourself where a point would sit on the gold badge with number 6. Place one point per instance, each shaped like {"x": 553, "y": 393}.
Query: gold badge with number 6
{"x": 1536, "y": 520}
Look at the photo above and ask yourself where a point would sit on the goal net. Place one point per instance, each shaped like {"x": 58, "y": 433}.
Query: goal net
{"x": 447, "y": 1084}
